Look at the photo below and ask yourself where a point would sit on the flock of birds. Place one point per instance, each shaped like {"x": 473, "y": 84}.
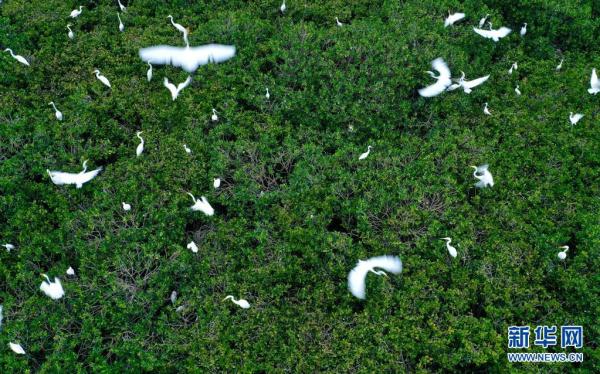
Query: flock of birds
{"x": 190, "y": 58}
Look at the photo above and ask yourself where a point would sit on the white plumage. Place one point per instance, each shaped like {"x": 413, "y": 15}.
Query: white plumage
{"x": 242, "y": 303}
{"x": 202, "y": 205}
{"x": 140, "y": 148}
{"x": 126, "y": 207}
{"x": 217, "y": 182}
{"x": 19, "y": 58}
{"x": 467, "y": 85}
{"x": 450, "y": 248}
{"x": 70, "y": 271}
{"x": 495, "y": 35}
{"x": 75, "y": 13}
{"x": 78, "y": 179}
{"x": 175, "y": 90}
{"x": 9, "y": 247}
{"x": 188, "y": 58}
{"x": 15, "y": 347}
{"x": 70, "y": 34}
{"x": 483, "y": 174}
{"x": 102, "y": 78}
{"x": 365, "y": 154}
{"x": 443, "y": 79}
{"x": 453, "y": 18}
{"x": 563, "y": 254}
{"x": 574, "y": 118}
{"x": 192, "y": 246}
{"x": 57, "y": 113}
{"x": 149, "y": 72}
{"x": 594, "y": 83}
{"x": 54, "y": 290}
{"x": 356, "y": 277}
{"x": 121, "y": 26}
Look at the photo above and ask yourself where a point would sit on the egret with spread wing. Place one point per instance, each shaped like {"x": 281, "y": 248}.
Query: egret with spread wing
{"x": 443, "y": 79}
{"x": 356, "y": 277}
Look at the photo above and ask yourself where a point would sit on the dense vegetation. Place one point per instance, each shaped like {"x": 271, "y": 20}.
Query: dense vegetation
{"x": 296, "y": 209}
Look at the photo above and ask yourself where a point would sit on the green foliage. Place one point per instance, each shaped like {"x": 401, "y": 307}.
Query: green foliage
{"x": 296, "y": 209}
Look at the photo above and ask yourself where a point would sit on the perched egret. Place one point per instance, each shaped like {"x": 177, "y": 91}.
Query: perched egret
{"x": 173, "y": 297}
{"x": 52, "y": 289}
{"x": 453, "y": 18}
{"x": 187, "y": 149}
{"x": 15, "y": 347}
{"x": 574, "y": 118}
{"x": 192, "y": 246}
{"x": 563, "y": 254}
{"x": 140, "y": 148}
{"x": 467, "y": 85}
{"x": 365, "y": 154}
{"x": 217, "y": 183}
{"x": 121, "y": 25}
{"x": 102, "y": 78}
{"x": 517, "y": 90}
{"x": 594, "y": 83}
{"x": 70, "y": 271}
{"x": 495, "y": 35}
{"x": 9, "y": 247}
{"x": 75, "y": 13}
{"x": 177, "y": 25}
{"x": 267, "y": 95}
{"x": 514, "y": 66}
{"x": 559, "y": 66}
{"x": 149, "y": 72}
{"x": 242, "y": 303}
{"x": 450, "y": 248}
{"x": 356, "y": 277}
{"x": 483, "y": 174}
{"x": 78, "y": 179}
{"x": 202, "y": 205}
{"x": 19, "y": 58}
{"x": 71, "y": 35}
{"x": 126, "y": 206}
{"x": 175, "y": 90}
{"x": 337, "y": 22}
{"x": 1, "y": 315}
{"x": 482, "y": 21}
{"x": 443, "y": 79}
{"x": 57, "y": 113}
{"x": 486, "y": 110}
{"x": 282, "y": 7}
{"x": 214, "y": 116}
{"x": 189, "y": 59}
{"x": 123, "y": 9}
{"x": 523, "y": 29}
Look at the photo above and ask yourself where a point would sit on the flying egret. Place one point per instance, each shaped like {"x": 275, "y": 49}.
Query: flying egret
{"x": 19, "y": 58}
{"x": 70, "y": 271}
{"x": 149, "y": 72}
{"x": 242, "y": 303}
{"x": 15, "y": 347}
{"x": 214, "y": 116}
{"x": 52, "y": 289}
{"x": 559, "y": 66}
{"x": 594, "y": 83}
{"x": 9, "y": 247}
{"x": 453, "y": 18}
{"x": 482, "y": 21}
{"x": 187, "y": 149}
{"x": 443, "y": 79}
{"x": 337, "y": 22}
{"x": 75, "y": 13}
{"x": 71, "y": 35}
{"x": 121, "y": 25}
{"x": 495, "y": 35}
{"x": 517, "y": 90}
{"x": 523, "y": 29}
{"x": 217, "y": 183}
{"x": 574, "y": 118}
{"x": 192, "y": 246}
{"x": 102, "y": 78}
{"x": 267, "y": 95}
{"x": 356, "y": 277}
{"x": 123, "y": 9}
{"x": 282, "y": 7}
{"x": 140, "y": 148}
{"x": 468, "y": 85}
{"x": 173, "y": 297}
{"x": 175, "y": 90}
{"x": 514, "y": 66}
{"x": 202, "y": 205}
{"x": 450, "y": 248}
{"x": 126, "y": 206}
{"x": 78, "y": 179}
{"x": 483, "y": 174}
{"x": 189, "y": 59}
{"x": 57, "y": 113}
{"x": 365, "y": 154}
{"x": 486, "y": 110}
{"x": 563, "y": 254}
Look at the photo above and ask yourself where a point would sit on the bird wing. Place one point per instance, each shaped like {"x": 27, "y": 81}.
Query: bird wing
{"x": 391, "y": 264}
{"x": 485, "y": 33}
{"x": 170, "y": 86}
{"x": 184, "y": 84}
{"x": 440, "y": 65}
{"x": 433, "y": 90}
{"x": 453, "y": 18}
{"x": 160, "y": 54}
{"x": 82, "y": 178}
{"x": 356, "y": 279}
{"x": 59, "y": 177}
{"x": 502, "y": 32}
{"x": 216, "y": 53}
{"x": 475, "y": 82}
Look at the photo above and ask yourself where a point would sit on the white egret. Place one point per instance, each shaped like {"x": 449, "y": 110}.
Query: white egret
{"x": 486, "y": 110}
{"x": 1, "y": 315}
{"x": 9, "y": 247}
{"x": 574, "y": 118}
{"x": 282, "y": 7}
{"x": 19, "y": 58}
{"x": 365, "y": 154}
{"x": 126, "y": 206}
{"x": 78, "y": 179}
{"x": 121, "y": 25}
{"x": 217, "y": 183}
{"x": 514, "y": 66}
{"x": 15, "y": 347}
{"x": 563, "y": 254}
{"x": 140, "y": 148}
{"x": 450, "y": 248}
{"x": 482, "y": 21}
{"x": 123, "y": 9}
{"x": 559, "y": 66}
{"x": 102, "y": 78}
{"x": 468, "y": 85}
{"x": 202, "y": 205}
{"x": 517, "y": 90}
{"x": 149, "y": 72}
{"x": 337, "y": 22}
{"x": 75, "y": 13}
{"x": 242, "y": 303}
{"x": 70, "y": 271}
{"x": 187, "y": 149}
{"x": 173, "y": 297}
{"x": 495, "y": 35}
{"x": 70, "y": 34}
{"x": 175, "y": 90}
{"x": 267, "y": 95}
{"x": 189, "y": 59}
{"x": 523, "y": 29}
{"x": 54, "y": 290}
{"x": 594, "y": 83}
{"x": 483, "y": 174}
{"x": 214, "y": 116}
{"x": 177, "y": 25}
{"x": 356, "y": 277}
{"x": 192, "y": 246}
{"x": 453, "y": 18}
{"x": 57, "y": 113}
{"x": 443, "y": 79}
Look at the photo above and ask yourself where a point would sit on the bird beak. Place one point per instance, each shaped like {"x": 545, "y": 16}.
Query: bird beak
{"x": 473, "y": 166}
